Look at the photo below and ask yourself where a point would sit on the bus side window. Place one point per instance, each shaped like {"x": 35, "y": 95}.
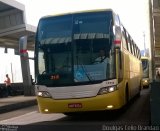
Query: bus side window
{"x": 136, "y": 51}
{"x": 139, "y": 55}
{"x": 124, "y": 41}
{"x": 129, "y": 44}
{"x": 125, "y": 36}
{"x": 133, "y": 48}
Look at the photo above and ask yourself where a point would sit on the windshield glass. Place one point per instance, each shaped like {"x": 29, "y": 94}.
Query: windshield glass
{"x": 93, "y": 60}
{"x": 54, "y": 30}
{"x": 98, "y": 23}
{"x": 75, "y": 49}
{"x": 145, "y": 66}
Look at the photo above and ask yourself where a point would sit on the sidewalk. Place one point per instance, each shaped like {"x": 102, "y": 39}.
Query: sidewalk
{"x": 16, "y": 102}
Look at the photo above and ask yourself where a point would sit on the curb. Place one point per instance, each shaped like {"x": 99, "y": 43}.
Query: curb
{"x": 19, "y": 105}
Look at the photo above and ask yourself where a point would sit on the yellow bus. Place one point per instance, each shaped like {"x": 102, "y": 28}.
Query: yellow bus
{"x": 69, "y": 78}
{"x": 145, "y": 66}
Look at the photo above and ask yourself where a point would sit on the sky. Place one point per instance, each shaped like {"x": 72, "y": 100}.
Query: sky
{"x": 133, "y": 13}
{"x": 12, "y": 66}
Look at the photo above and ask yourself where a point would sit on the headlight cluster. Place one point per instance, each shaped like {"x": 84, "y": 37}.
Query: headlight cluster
{"x": 106, "y": 90}
{"x": 43, "y": 94}
{"x": 146, "y": 81}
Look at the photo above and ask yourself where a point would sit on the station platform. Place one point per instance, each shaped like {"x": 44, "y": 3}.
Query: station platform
{"x": 16, "y": 102}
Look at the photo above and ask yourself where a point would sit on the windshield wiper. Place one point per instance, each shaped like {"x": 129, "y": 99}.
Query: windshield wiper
{"x": 84, "y": 69}
{"x": 86, "y": 73}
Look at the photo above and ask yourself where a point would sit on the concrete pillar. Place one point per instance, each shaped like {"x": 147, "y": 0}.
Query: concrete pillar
{"x": 152, "y": 46}
{"x": 27, "y": 83}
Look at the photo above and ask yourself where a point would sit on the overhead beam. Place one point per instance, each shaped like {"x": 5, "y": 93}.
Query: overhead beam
{"x": 14, "y": 3}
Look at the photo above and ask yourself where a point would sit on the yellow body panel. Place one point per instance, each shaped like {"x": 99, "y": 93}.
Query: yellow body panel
{"x": 132, "y": 74}
{"x": 100, "y": 102}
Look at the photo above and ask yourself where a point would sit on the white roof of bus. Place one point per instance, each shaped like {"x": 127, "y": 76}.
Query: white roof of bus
{"x": 76, "y": 12}
{"x": 144, "y": 57}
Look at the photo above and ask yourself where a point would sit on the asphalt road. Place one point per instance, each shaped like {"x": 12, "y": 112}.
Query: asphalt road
{"x": 135, "y": 115}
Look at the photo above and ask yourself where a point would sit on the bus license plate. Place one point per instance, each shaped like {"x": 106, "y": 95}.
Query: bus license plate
{"x": 75, "y": 105}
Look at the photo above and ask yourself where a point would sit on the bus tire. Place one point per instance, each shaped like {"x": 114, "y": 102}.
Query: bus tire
{"x": 127, "y": 94}
{"x": 140, "y": 88}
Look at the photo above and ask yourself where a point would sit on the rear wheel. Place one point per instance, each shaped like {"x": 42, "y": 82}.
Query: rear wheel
{"x": 140, "y": 87}
{"x": 127, "y": 94}
{"x": 124, "y": 108}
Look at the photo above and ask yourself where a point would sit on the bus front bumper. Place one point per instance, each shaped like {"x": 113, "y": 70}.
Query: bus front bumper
{"x": 108, "y": 101}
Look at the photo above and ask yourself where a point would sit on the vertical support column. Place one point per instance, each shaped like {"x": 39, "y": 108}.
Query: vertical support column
{"x": 27, "y": 83}
{"x": 152, "y": 49}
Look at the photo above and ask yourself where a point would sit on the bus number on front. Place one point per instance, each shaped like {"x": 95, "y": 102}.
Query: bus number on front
{"x": 54, "y": 77}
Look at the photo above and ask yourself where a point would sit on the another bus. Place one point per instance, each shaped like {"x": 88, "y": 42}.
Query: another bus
{"x": 67, "y": 78}
{"x": 145, "y": 65}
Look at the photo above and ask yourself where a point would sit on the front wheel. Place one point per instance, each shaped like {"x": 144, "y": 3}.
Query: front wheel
{"x": 127, "y": 95}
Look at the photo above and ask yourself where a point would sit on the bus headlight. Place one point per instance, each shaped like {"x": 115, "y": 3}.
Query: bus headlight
{"x": 43, "y": 94}
{"x": 105, "y": 90}
{"x": 145, "y": 81}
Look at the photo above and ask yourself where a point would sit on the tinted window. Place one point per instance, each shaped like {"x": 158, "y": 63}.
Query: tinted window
{"x": 99, "y": 22}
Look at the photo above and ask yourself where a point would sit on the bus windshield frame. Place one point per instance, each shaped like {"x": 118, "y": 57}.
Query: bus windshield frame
{"x": 68, "y": 45}
{"x": 145, "y": 66}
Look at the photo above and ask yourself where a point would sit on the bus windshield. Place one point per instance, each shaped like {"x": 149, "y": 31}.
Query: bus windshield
{"x": 145, "y": 66}
{"x": 69, "y": 49}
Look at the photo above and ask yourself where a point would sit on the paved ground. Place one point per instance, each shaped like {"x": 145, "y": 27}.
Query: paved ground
{"x": 135, "y": 116}
{"x": 16, "y": 102}
{"x": 136, "y": 113}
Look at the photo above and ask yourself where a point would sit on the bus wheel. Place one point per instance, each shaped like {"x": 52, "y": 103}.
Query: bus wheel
{"x": 140, "y": 88}
{"x": 127, "y": 94}
{"x": 124, "y": 108}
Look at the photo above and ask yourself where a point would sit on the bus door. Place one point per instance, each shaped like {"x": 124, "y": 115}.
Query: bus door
{"x": 119, "y": 72}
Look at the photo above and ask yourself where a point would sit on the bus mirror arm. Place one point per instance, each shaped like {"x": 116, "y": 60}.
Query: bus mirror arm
{"x": 26, "y": 57}
{"x": 23, "y": 46}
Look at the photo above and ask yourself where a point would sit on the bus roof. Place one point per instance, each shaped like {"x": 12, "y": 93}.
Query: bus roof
{"x": 77, "y": 12}
{"x": 144, "y": 57}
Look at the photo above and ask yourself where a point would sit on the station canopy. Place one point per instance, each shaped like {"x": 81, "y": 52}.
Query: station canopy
{"x": 13, "y": 25}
